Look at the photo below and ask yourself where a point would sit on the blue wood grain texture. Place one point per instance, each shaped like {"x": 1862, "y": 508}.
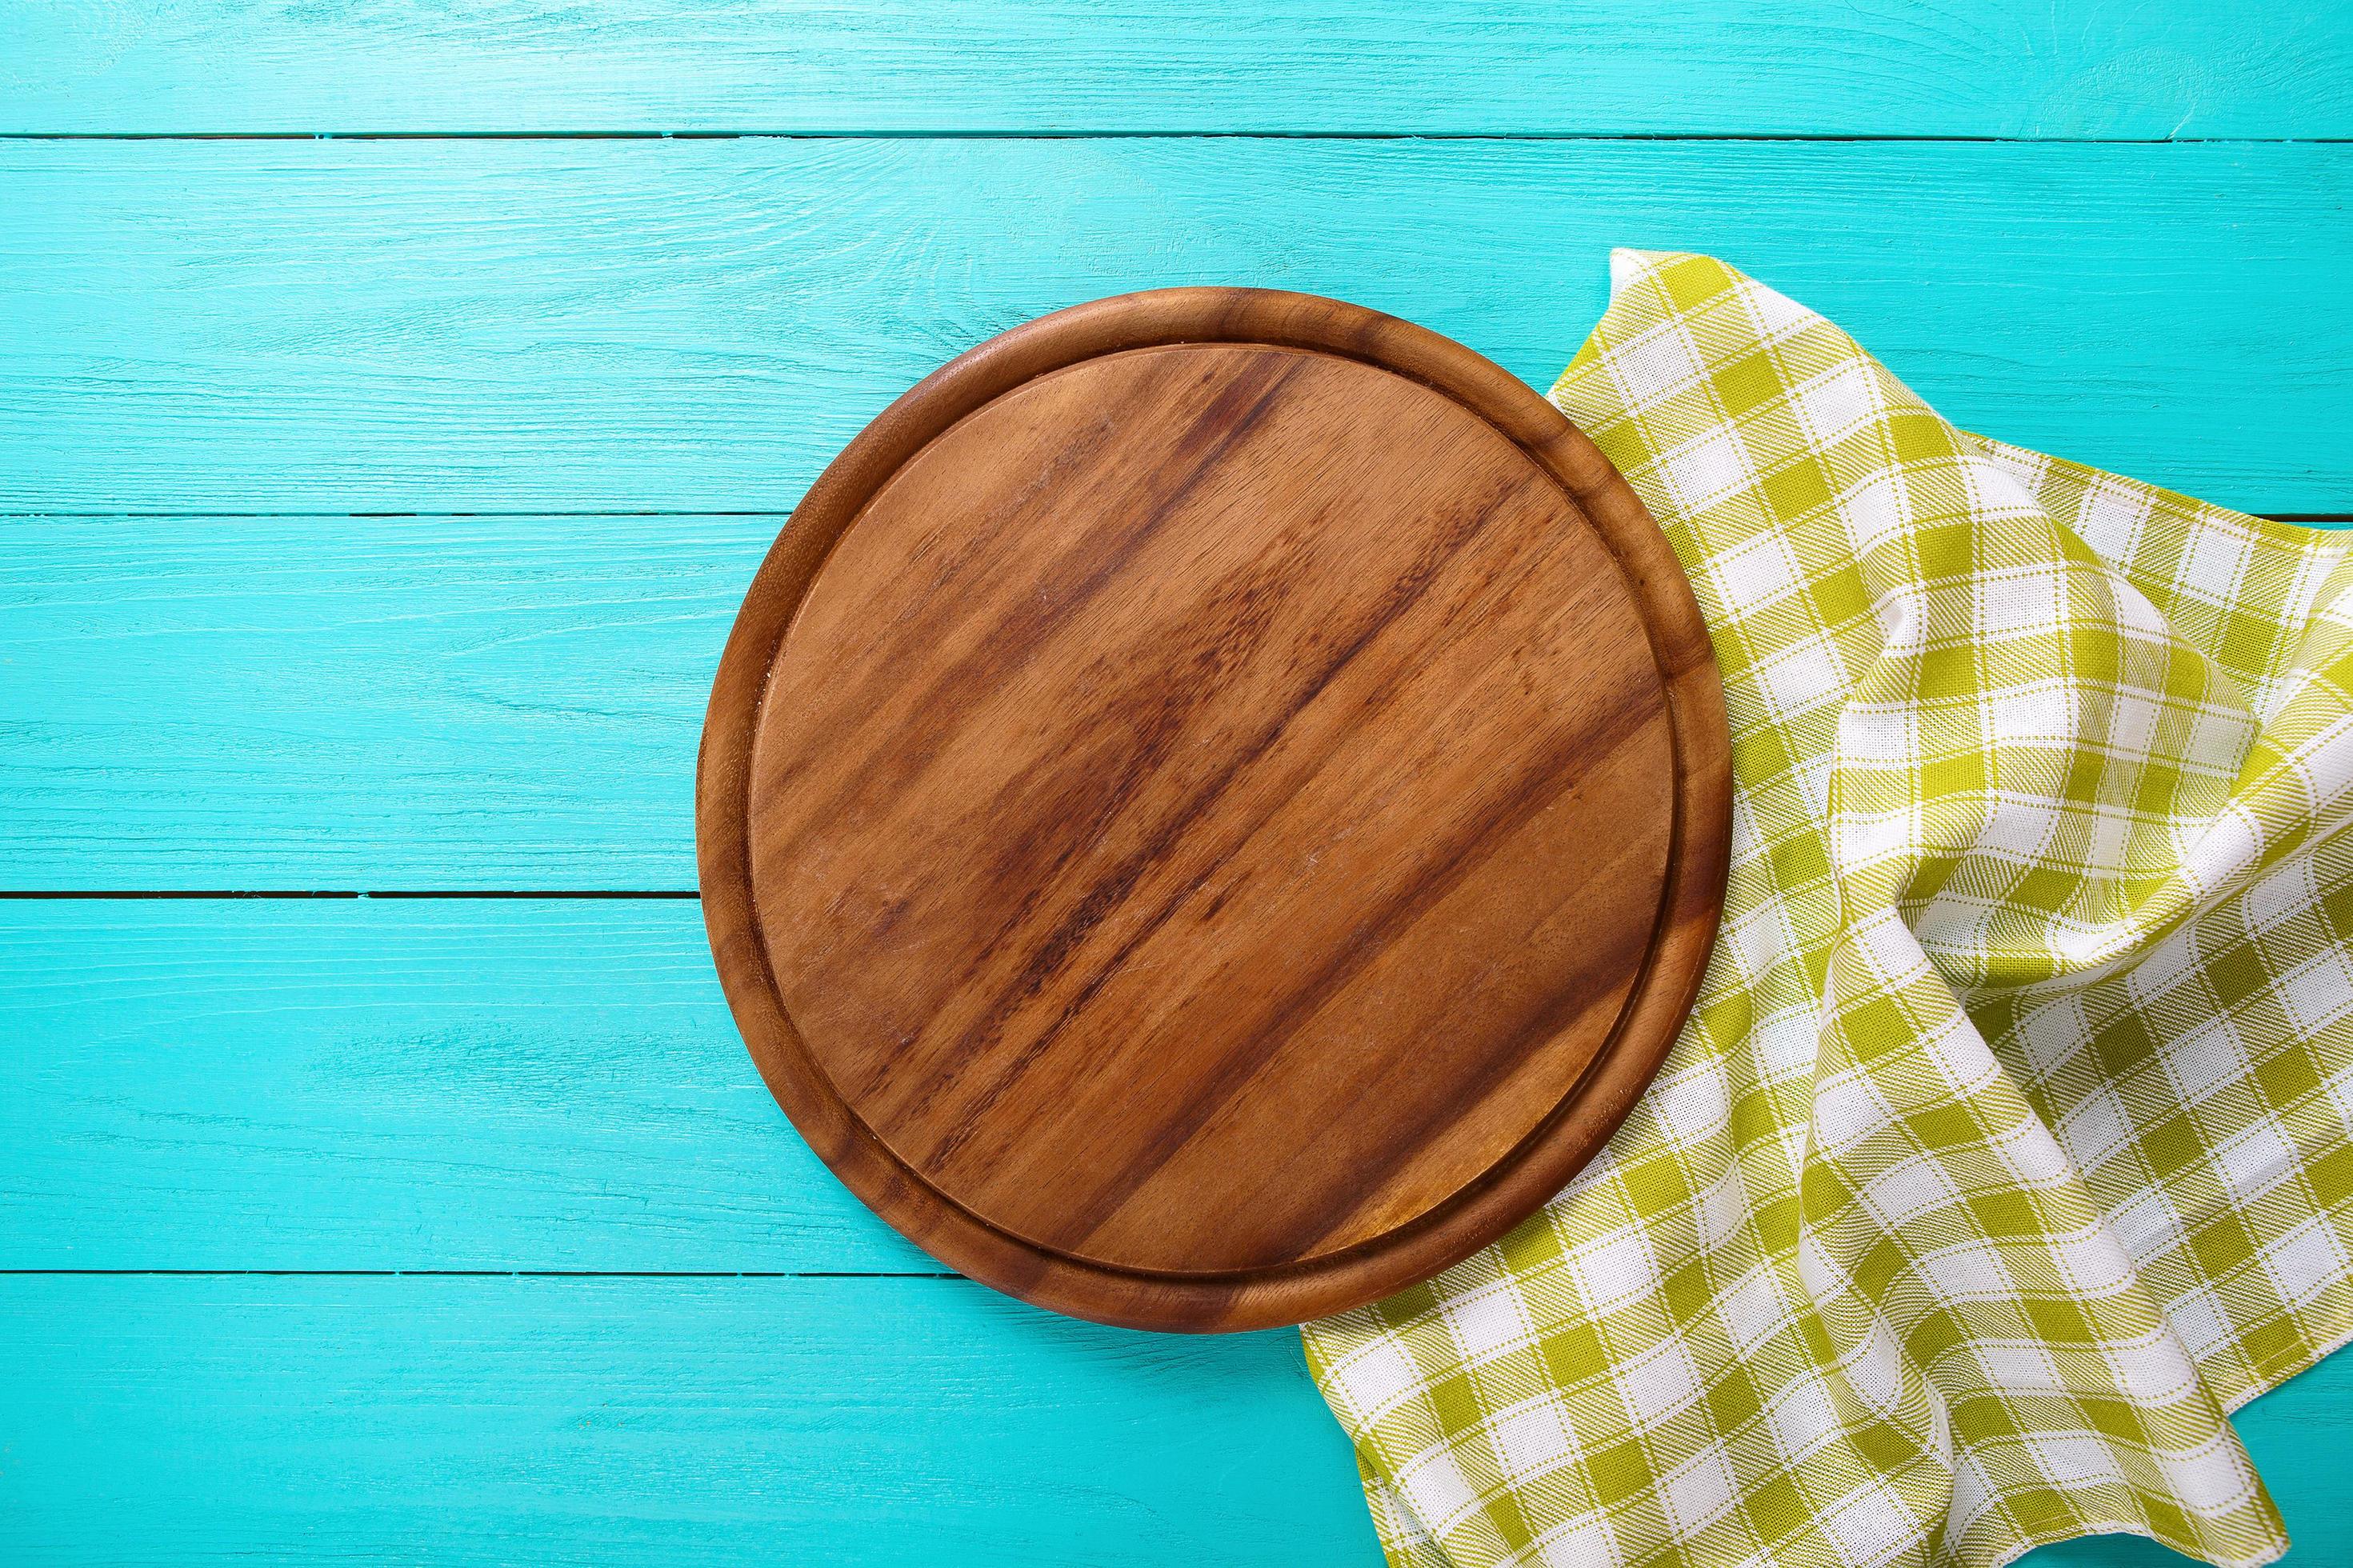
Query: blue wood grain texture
{"x": 612, "y": 1422}
{"x": 341, "y": 702}
{"x": 544, "y": 334}
{"x": 394, "y": 1084}
{"x": 1961, "y": 68}
{"x": 698, "y": 325}
{"x": 606, "y": 1422}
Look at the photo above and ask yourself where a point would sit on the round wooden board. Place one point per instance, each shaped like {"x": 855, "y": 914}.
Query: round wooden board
{"x": 1213, "y": 808}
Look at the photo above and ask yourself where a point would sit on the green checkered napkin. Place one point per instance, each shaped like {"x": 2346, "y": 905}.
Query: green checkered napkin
{"x": 2007, "y": 1147}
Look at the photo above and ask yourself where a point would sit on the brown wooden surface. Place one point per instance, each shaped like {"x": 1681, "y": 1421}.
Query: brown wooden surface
{"x": 1213, "y": 808}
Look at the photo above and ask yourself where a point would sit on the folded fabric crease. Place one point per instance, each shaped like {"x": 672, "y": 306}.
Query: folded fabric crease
{"x": 2009, "y": 1144}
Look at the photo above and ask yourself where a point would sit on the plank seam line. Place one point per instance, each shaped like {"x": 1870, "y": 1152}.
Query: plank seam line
{"x": 974, "y": 134}
{"x": 120, "y": 893}
{"x": 119, "y": 515}
{"x": 481, "y": 1273}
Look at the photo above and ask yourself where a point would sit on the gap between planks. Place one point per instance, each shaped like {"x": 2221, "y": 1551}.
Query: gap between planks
{"x": 980, "y": 134}
{"x": 71, "y": 893}
{"x": 2317, "y": 519}
{"x": 481, "y": 1273}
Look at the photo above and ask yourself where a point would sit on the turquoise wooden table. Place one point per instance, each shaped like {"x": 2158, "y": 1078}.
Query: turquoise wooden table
{"x": 394, "y": 404}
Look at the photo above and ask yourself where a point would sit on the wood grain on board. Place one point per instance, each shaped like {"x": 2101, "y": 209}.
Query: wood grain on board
{"x": 1215, "y": 808}
{"x": 699, "y": 326}
{"x": 1832, "y": 67}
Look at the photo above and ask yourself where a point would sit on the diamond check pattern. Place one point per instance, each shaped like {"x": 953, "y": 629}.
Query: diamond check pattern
{"x": 2010, "y": 1141}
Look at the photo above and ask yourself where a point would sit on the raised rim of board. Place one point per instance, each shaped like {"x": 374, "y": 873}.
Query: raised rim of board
{"x": 1541, "y": 1163}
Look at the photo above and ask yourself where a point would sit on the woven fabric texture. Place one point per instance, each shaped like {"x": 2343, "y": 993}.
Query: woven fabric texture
{"x": 2009, "y": 1144}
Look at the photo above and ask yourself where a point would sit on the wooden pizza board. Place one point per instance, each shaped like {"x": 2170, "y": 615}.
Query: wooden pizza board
{"x": 1213, "y": 808}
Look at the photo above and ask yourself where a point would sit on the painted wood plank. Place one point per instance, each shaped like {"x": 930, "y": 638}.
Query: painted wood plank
{"x": 360, "y": 702}
{"x": 296, "y": 1420}
{"x": 650, "y": 1421}
{"x": 394, "y": 1084}
{"x": 2078, "y": 68}
{"x": 697, "y": 325}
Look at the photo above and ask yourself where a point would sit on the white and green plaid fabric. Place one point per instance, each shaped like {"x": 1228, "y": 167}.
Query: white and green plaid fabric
{"x": 2007, "y": 1145}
